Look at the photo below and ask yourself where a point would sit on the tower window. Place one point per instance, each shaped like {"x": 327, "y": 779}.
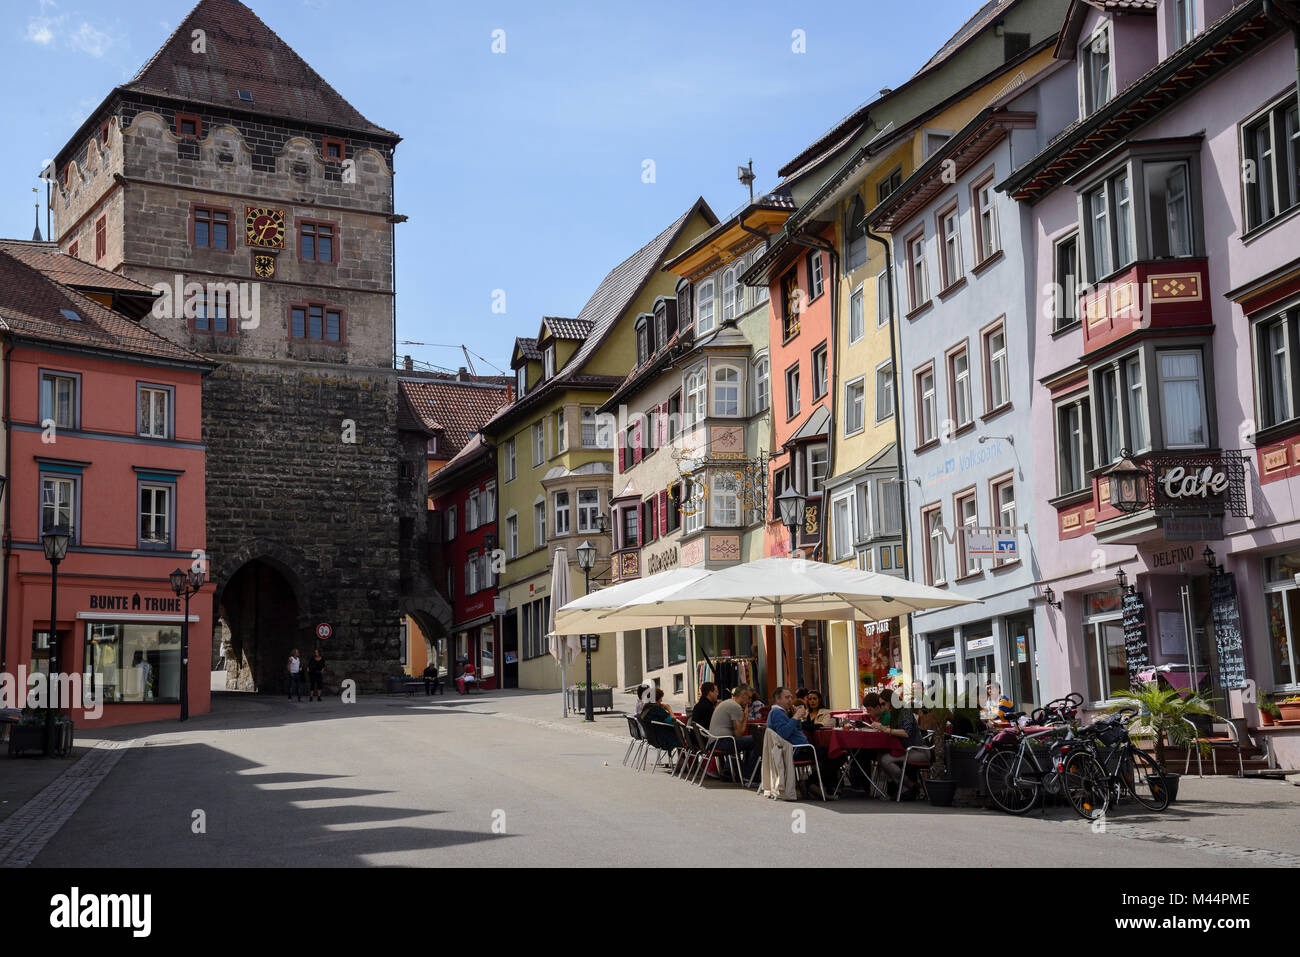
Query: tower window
{"x": 334, "y": 150}
{"x": 188, "y": 125}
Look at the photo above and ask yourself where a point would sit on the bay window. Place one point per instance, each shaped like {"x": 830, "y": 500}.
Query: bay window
{"x": 724, "y": 500}
{"x": 561, "y": 513}
{"x": 818, "y": 466}
{"x": 695, "y": 397}
{"x": 842, "y": 527}
{"x": 1182, "y": 399}
{"x": 1139, "y": 438}
{"x": 761, "y": 376}
{"x": 704, "y": 308}
{"x": 729, "y": 291}
{"x": 1110, "y": 207}
{"x": 588, "y": 510}
{"x": 1169, "y": 209}
{"x": 726, "y": 391}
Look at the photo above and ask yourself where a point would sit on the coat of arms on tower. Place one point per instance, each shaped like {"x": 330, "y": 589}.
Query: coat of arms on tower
{"x": 264, "y": 265}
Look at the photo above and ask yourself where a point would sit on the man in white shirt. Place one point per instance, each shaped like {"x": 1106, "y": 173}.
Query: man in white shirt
{"x": 295, "y": 675}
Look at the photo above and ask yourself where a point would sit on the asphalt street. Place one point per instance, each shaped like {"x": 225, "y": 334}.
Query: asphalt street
{"x": 500, "y": 780}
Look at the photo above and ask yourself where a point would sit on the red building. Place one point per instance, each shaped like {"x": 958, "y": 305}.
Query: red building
{"x": 463, "y": 496}
{"x": 103, "y": 437}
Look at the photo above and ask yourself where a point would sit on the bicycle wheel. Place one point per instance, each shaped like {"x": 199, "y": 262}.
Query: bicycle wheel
{"x": 1144, "y": 779}
{"x": 1000, "y": 784}
{"x": 1086, "y": 785}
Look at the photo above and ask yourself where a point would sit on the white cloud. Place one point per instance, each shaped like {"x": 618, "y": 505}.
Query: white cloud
{"x": 71, "y": 32}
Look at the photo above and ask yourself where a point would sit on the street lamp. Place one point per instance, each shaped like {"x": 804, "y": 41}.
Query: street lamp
{"x": 1121, "y": 579}
{"x": 587, "y": 561}
{"x": 791, "y": 504}
{"x": 1128, "y": 484}
{"x": 55, "y": 541}
{"x": 185, "y": 585}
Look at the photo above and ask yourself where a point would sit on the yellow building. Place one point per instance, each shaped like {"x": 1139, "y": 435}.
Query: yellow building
{"x": 878, "y": 147}
{"x": 555, "y": 456}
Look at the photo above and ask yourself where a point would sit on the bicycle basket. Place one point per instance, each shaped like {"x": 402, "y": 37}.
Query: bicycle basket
{"x": 1113, "y": 734}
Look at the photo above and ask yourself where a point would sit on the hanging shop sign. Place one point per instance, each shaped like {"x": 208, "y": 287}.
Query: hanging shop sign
{"x": 1209, "y": 483}
{"x": 1193, "y": 528}
{"x": 1136, "y": 646}
{"x": 1227, "y": 630}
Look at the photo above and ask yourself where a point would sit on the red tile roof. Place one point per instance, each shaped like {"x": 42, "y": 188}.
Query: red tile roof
{"x": 243, "y": 53}
{"x": 456, "y": 409}
{"x": 32, "y": 303}
{"x": 69, "y": 271}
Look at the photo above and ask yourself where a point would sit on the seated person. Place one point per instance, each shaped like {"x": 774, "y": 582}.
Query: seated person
{"x": 818, "y": 716}
{"x": 891, "y": 706}
{"x": 432, "y": 680}
{"x": 702, "y": 713}
{"x": 731, "y": 718}
{"x": 905, "y": 726}
{"x": 787, "y": 720}
{"x": 656, "y": 712}
{"x": 997, "y": 706}
{"x": 756, "y": 707}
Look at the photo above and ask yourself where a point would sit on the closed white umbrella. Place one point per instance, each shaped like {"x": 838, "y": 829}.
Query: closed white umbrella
{"x": 562, "y": 646}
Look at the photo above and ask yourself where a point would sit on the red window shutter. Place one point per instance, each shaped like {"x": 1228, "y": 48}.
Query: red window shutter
{"x": 622, "y": 460}
{"x": 636, "y": 444}
{"x": 663, "y": 512}
{"x": 663, "y": 425}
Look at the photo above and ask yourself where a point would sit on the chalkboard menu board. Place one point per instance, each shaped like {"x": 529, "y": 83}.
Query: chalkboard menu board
{"x": 1227, "y": 630}
{"x": 1135, "y": 636}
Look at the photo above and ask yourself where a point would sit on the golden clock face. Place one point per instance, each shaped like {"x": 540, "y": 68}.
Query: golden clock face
{"x": 264, "y": 227}
{"x": 264, "y": 266}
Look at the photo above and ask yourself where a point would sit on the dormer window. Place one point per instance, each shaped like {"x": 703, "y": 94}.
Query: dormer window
{"x": 1094, "y": 66}
{"x": 1184, "y": 22}
{"x": 642, "y": 340}
{"x": 665, "y": 321}
{"x": 684, "y": 302}
{"x": 548, "y": 361}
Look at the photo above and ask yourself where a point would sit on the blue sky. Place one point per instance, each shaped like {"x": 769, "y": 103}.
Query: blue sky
{"x": 519, "y": 171}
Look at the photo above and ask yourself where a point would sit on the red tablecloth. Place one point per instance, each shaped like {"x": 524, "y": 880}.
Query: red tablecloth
{"x": 838, "y": 740}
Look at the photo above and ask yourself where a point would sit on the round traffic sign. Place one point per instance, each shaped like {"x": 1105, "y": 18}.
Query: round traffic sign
{"x": 323, "y": 631}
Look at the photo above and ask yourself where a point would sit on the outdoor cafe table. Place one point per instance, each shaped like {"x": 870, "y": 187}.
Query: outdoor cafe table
{"x": 839, "y": 741}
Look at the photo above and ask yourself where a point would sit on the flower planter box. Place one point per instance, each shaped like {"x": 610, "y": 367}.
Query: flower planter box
{"x": 31, "y": 737}
{"x": 1290, "y": 712}
{"x": 602, "y": 698}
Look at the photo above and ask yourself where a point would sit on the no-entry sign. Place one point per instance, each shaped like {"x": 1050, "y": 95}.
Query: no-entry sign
{"x": 323, "y": 631}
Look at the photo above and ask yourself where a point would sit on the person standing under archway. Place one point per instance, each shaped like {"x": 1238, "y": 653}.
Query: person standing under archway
{"x": 295, "y": 675}
{"x": 315, "y": 675}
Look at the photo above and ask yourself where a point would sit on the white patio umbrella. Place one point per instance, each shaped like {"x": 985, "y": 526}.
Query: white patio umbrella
{"x": 780, "y": 591}
{"x": 562, "y": 645}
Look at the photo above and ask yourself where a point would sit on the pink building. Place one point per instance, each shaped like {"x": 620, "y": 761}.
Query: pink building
{"x": 1166, "y": 228}
{"x": 104, "y": 438}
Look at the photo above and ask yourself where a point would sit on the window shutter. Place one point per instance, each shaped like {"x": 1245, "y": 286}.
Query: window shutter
{"x": 663, "y": 512}
{"x": 637, "y": 438}
{"x": 622, "y": 460}
{"x": 662, "y": 425}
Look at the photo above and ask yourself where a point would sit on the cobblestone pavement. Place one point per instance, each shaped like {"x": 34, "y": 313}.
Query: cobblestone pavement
{"x": 503, "y": 779}
{"x": 25, "y": 832}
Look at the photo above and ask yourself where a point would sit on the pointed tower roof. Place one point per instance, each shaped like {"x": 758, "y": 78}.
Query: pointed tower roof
{"x": 241, "y": 53}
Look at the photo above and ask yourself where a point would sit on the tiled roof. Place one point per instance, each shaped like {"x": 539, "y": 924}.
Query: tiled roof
{"x": 456, "y": 409}
{"x": 243, "y": 53}
{"x": 528, "y": 348}
{"x": 69, "y": 271}
{"x": 476, "y": 449}
{"x": 567, "y": 328}
{"x": 611, "y": 299}
{"x": 31, "y": 304}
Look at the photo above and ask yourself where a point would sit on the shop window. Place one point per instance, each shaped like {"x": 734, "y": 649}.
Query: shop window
{"x": 654, "y": 649}
{"x": 1105, "y": 659}
{"x": 137, "y": 663}
{"x": 1282, "y": 604}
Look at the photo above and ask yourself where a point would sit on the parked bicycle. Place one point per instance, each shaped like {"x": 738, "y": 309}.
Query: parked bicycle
{"x": 1016, "y": 775}
{"x": 1128, "y": 768}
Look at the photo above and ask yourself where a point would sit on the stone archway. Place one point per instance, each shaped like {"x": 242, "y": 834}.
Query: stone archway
{"x": 264, "y": 613}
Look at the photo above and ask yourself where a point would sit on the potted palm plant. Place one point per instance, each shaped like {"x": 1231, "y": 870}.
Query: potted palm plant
{"x": 1163, "y": 716}
{"x": 1268, "y": 711}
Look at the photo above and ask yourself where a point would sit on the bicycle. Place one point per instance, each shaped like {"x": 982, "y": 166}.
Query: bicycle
{"x": 1015, "y": 780}
{"x": 1127, "y": 767}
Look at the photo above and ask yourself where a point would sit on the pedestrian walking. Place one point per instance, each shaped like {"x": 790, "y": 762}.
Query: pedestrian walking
{"x": 295, "y": 675}
{"x": 315, "y": 675}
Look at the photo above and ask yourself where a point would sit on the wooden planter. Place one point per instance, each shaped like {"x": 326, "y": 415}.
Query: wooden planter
{"x": 600, "y": 698}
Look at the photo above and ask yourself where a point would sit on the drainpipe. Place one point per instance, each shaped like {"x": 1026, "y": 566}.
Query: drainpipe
{"x": 9, "y": 494}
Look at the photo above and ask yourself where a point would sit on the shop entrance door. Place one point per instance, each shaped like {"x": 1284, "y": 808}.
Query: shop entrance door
{"x": 510, "y": 650}
{"x": 1021, "y": 686}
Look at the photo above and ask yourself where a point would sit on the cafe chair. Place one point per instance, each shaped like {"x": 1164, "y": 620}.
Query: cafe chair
{"x": 663, "y": 739}
{"x": 730, "y": 754}
{"x": 757, "y": 733}
{"x": 637, "y": 742}
{"x": 1206, "y": 730}
{"x": 687, "y": 753}
{"x": 919, "y": 756}
{"x": 805, "y": 756}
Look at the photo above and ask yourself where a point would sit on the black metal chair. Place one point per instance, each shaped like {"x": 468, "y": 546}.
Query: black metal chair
{"x": 730, "y": 753}
{"x": 637, "y": 743}
{"x": 661, "y": 736}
